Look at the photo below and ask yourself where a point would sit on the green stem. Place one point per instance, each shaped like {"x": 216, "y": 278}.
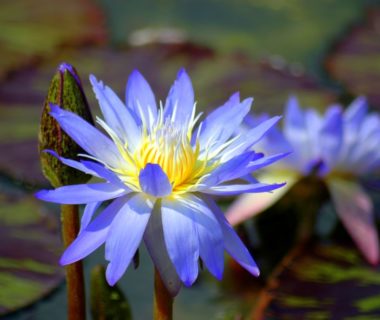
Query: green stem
{"x": 163, "y": 301}
{"x": 74, "y": 272}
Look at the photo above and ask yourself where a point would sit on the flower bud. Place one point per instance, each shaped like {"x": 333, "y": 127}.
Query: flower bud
{"x": 65, "y": 91}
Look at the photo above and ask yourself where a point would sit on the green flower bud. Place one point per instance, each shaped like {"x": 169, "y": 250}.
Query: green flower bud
{"x": 107, "y": 303}
{"x": 65, "y": 91}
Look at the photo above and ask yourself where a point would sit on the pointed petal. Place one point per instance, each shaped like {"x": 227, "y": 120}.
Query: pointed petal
{"x": 265, "y": 161}
{"x": 94, "y": 235}
{"x": 154, "y": 181}
{"x": 181, "y": 238}
{"x": 155, "y": 243}
{"x": 355, "y": 209}
{"x": 88, "y": 137}
{"x": 250, "y": 204}
{"x": 117, "y": 116}
{"x": 103, "y": 172}
{"x": 214, "y": 127}
{"x": 231, "y": 169}
{"x": 294, "y": 120}
{"x": 232, "y": 190}
{"x": 125, "y": 235}
{"x": 81, "y": 193}
{"x": 331, "y": 135}
{"x": 180, "y": 101}
{"x": 356, "y": 112}
{"x": 247, "y": 140}
{"x": 211, "y": 243}
{"x": 232, "y": 243}
{"x": 88, "y": 212}
{"x": 140, "y": 98}
{"x": 72, "y": 163}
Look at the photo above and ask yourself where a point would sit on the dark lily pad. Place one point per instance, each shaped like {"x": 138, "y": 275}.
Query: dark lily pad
{"x": 30, "y": 30}
{"x": 322, "y": 281}
{"x": 159, "y": 63}
{"x": 297, "y": 30}
{"x": 355, "y": 60}
{"x": 29, "y": 252}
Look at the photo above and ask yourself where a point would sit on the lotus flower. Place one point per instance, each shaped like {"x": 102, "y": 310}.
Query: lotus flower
{"x": 161, "y": 172}
{"x": 340, "y": 147}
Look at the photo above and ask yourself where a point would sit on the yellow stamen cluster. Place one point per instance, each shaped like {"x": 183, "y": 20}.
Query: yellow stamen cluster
{"x": 170, "y": 148}
{"x": 169, "y": 145}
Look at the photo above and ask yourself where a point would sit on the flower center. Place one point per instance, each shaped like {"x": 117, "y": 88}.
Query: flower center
{"x": 170, "y": 148}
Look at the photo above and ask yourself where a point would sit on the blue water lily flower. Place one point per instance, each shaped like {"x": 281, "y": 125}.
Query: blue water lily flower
{"x": 341, "y": 147}
{"x": 161, "y": 172}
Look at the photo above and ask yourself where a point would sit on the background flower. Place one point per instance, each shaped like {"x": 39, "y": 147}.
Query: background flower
{"x": 162, "y": 171}
{"x": 340, "y": 147}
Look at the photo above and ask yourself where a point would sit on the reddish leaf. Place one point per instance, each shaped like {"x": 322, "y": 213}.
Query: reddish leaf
{"x": 29, "y": 252}
{"x": 322, "y": 281}
{"x": 355, "y": 61}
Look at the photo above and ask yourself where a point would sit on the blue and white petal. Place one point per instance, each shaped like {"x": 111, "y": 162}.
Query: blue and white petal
{"x": 125, "y": 235}
{"x": 181, "y": 238}
{"x": 140, "y": 98}
{"x": 89, "y": 138}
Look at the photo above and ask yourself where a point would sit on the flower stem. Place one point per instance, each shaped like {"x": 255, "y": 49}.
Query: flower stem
{"x": 74, "y": 272}
{"x": 163, "y": 301}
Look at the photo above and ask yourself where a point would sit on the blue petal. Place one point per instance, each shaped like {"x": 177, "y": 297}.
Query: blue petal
{"x": 181, "y": 238}
{"x": 247, "y": 140}
{"x": 140, "y": 98}
{"x": 232, "y": 190}
{"x": 117, "y": 116}
{"x": 180, "y": 101}
{"x": 232, "y": 169}
{"x": 210, "y": 236}
{"x": 355, "y": 113}
{"x": 265, "y": 161}
{"x": 331, "y": 135}
{"x": 294, "y": 116}
{"x": 154, "y": 181}
{"x": 125, "y": 235}
{"x": 155, "y": 243}
{"x": 214, "y": 128}
{"x": 81, "y": 193}
{"x": 88, "y": 213}
{"x": 72, "y": 163}
{"x": 94, "y": 235}
{"x": 89, "y": 138}
{"x": 104, "y": 173}
{"x": 232, "y": 243}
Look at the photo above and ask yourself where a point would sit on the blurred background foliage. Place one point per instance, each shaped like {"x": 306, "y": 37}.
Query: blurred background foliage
{"x": 322, "y": 51}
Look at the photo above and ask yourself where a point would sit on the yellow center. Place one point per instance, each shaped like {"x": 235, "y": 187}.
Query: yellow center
{"x": 168, "y": 145}
{"x": 170, "y": 148}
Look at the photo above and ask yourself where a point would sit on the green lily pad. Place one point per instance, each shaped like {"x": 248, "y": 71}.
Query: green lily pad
{"x": 30, "y": 30}
{"x": 355, "y": 60}
{"x": 322, "y": 281}
{"x": 29, "y": 252}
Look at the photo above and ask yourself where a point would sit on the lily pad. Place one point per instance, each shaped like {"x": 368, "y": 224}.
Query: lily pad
{"x": 29, "y": 252}
{"x": 355, "y": 60}
{"x": 322, "y": 281}
{"x": 22, "y": 96}
{"x": 297, "y": 30}
{"x": 33, "y": 29}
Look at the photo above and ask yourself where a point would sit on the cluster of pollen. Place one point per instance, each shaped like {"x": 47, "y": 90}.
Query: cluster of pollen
{"x": 168, "y": 144}
{"x": 170, "y": 148}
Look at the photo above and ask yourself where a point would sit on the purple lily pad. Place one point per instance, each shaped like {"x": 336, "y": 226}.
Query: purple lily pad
{"x": 29, "y": 252}
{"x": 322, "y": 281}
{"x": 355, "y": 60}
